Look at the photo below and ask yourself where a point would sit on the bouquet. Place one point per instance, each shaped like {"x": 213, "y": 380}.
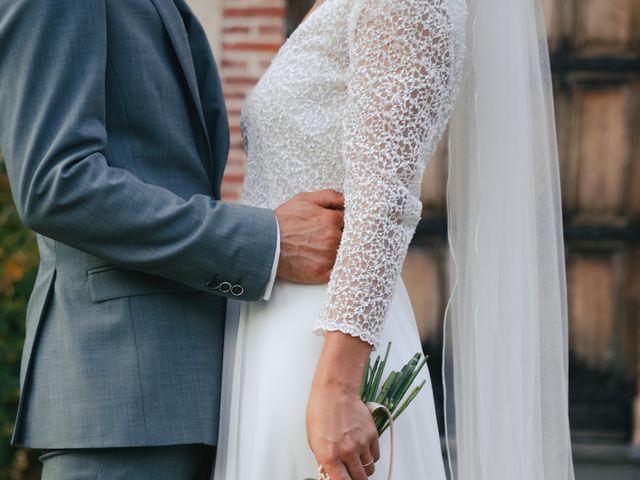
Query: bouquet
{"x": 394, "y": 389}
{"x": 389, "y": 398}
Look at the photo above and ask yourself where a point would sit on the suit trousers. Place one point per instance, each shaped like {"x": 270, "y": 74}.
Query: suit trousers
{"x": 175, "y": 462}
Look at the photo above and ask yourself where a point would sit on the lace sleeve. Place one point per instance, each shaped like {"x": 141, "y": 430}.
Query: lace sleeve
{"x": 400, "y": 89}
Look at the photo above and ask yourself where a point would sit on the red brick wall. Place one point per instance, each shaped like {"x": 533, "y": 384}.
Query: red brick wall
{"x": 253, "y": 30}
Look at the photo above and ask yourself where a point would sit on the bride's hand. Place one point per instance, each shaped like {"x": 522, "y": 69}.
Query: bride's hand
{"x": 340, "y": 428}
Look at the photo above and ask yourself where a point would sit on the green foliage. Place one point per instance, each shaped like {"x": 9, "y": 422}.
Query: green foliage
{"x": 393, "y": 392}
{"x": 18, "y": 265}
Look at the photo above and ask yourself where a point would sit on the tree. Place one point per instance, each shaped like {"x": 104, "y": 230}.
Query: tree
{"x": 18, "y": 266}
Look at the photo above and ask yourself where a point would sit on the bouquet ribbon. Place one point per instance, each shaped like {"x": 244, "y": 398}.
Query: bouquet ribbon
{"x": 373, "y": 408}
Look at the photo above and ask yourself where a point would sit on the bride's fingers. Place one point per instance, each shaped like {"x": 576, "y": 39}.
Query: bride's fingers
{"x": 370, "y": 470}
{"x": 336, "y": 471}
{"x": 368, "y": 460}
{"x": 369, "y": 464}
{"x": 375, "y": 448}
{"x": 357, "y": 470}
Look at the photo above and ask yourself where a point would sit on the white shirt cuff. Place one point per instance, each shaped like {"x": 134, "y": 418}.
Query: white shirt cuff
{"x": 274, "y": 269}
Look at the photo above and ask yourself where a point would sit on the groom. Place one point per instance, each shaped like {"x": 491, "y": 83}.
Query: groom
{"x": 115, "y": 135}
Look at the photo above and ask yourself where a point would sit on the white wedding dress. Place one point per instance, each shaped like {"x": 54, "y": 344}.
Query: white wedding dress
{"x": 356, "y": 100}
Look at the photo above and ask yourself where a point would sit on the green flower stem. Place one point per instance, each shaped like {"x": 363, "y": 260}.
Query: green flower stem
{"x": 403, "y": 407}
{"x": 369, "y": 389}
{"x": 365, "y": 379}
{"x": 411, "y": 376}
{"x": 378, "y": 377}
{"x": 394, "y": 389}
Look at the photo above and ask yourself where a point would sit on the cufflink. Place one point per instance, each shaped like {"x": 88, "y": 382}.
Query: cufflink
{"x": 237, "y": 290}
{"x": 224, "y": 287}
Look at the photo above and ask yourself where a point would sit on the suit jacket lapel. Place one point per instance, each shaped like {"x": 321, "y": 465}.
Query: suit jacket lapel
{"x": 175, "y": 27}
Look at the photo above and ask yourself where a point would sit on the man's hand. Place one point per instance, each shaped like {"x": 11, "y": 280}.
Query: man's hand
{"x": 340, "y": 428}
{"x": 310, "y": 233}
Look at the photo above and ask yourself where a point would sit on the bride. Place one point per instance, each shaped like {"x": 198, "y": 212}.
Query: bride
{"x": 356, "y": 101}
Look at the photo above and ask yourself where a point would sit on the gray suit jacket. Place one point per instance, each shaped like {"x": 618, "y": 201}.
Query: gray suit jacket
{"x": 115, "y": 137}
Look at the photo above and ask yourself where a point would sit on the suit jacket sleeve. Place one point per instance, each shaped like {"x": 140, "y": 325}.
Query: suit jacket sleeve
{"x": 53, "y": 135}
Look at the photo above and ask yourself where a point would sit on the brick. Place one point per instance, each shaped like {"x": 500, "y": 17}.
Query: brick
{"x": 252, "y": 11}
{"x": 238, "y": 80}
{"x": 265, "y": 64}
{"x": 228, "y": 63}
{"x": 234, "y": 96}
{"x": 231, "y": 191}
{"x": 270, "y": 29}
{"x": 235, "y": 29}
{"x": 252, "y": 46}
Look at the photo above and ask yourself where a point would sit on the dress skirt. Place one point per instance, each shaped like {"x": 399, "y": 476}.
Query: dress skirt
{"x": 269, "y": 361}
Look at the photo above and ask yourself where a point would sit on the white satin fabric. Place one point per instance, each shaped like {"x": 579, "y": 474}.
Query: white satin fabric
{"x": 270, "y": 358}
{"x": 506, "y": 367}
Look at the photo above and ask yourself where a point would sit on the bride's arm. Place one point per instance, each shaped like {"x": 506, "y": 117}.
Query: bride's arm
{"x": 399, "y": 96}
{"x": 398, "y": 101}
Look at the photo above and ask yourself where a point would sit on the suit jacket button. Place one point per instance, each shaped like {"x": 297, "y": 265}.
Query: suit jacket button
{"x": 225, "y": 287}
{"x": 212, "y": 285}
{"x": 237, "y": 290}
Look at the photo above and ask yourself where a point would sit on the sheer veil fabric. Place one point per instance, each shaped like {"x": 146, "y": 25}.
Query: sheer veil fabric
{"x": 506, "y": 353}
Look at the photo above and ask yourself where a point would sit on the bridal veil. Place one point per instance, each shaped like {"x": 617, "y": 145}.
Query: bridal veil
{"x": 506, "y": 322}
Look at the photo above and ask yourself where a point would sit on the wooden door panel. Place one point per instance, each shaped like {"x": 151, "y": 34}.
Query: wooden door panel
{"x": 601, "y": 146}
